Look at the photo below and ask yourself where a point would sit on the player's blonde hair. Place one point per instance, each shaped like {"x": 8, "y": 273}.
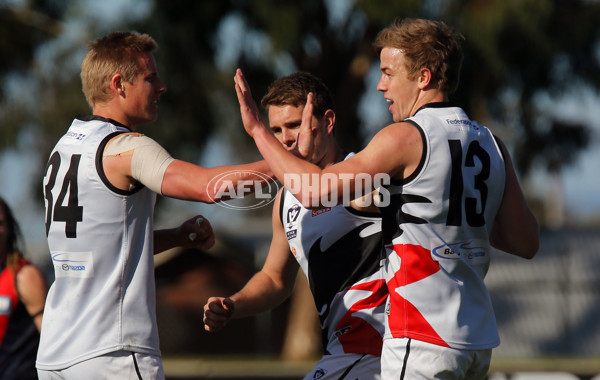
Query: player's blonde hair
{"x": 426, "y": 44}
{"x": 116, "y": 53}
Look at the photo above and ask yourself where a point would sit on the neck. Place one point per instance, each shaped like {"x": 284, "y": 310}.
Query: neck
{"x": 428, "y": 96}
{"x": 333, "y": 155}
{"x": 106, "y": 111}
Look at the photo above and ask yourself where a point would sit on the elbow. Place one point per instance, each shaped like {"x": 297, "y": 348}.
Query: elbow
{"x": 522, "y": 245}
{"x": 530, "y": 248}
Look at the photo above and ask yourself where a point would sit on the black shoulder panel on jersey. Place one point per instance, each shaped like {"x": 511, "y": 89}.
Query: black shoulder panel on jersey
{"x": 100, "y": 168}
{"x": 418, "y": 169}
{"x": 281, "y": 202}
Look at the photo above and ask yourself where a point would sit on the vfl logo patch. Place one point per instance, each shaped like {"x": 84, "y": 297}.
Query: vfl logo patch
{"x": 292, "y": 215}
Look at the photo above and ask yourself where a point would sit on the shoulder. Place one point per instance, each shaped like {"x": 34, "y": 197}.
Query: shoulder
{"x": 401, "y": 133}
{"x": 394, "y": 149}
{"x": 128, "y": 141}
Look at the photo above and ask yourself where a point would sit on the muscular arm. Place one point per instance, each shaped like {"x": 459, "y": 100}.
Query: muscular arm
{"x": 265, "y": 290}
{"x": 32, "y": 289}
{"x": 396, "y": 151}
{"x": 184, "y": 180}
{"x": 132, "y": 157}
{"x": 515, "y": 229}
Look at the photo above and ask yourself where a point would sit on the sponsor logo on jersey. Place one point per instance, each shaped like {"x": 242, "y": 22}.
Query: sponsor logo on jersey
{"x": 292, "y": 215}
{"x": 320, "y": 211}
{"x": 5, "y": 305}
{"x": 294, "y": 251}
{"x": 73, "y": 264}
{"x": 460, "y": 122}
{"x": 463, "y": 250}
{"x": 291, "y": 234}
{"x": 75, "y": 135}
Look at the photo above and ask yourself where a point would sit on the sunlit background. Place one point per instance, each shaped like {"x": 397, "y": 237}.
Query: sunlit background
{"x": 531, "y": 73}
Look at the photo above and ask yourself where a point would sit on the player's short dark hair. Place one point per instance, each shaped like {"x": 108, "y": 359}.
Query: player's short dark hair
{"x": 293, "y": 90}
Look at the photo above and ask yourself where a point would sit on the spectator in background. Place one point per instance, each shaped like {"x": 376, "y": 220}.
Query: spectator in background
{"x": 23, "y": 291}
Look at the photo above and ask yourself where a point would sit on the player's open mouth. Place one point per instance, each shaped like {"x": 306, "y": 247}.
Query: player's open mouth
{"x": 391, "y": 103}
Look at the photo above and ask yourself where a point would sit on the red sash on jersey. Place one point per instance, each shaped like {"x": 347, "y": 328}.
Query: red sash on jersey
{"x": 404, "y": 318}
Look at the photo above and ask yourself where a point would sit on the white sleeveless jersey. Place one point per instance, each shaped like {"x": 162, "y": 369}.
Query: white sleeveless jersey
{"x": 436, "y": 232}
{"x": 339, "y": 250}
{"x": 101, "y": 244}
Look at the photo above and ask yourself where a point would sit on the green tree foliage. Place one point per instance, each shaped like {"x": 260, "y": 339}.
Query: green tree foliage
{"x": 515, "y": 52}
{"x": 22, "y": 30}
{"x": 526, "y": 49}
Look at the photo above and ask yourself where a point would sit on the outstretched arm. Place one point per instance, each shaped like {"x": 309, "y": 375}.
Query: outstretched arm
{"x": 515, "y": 229}
{"x": 265, "y": 290}
{"x": 395, "y": 152}
{"x": 131, "y": 157}
{"x": 184, "y": 180}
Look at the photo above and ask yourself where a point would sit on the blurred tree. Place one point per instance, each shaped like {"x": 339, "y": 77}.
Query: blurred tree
{"x": 516, "y": 51}
{"x": 22, "y": 31}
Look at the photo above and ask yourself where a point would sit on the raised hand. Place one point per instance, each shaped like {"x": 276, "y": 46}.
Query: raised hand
{"x": 248, "y": 109}
{"x": 305, "y": 141}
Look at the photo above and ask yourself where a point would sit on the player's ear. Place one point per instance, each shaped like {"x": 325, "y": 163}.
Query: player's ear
{"x": 117, "y": 84}
{"x": 329, "y": 118}
{"x": 424, "y": 78}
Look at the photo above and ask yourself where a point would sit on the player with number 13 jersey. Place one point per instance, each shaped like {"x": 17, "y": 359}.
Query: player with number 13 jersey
{"x": 438, "y": 249}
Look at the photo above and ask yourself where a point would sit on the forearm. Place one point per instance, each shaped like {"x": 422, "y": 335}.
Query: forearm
{"x": 518, "y": 236}
{"x": 312, "y": 186}
{"x": 260, "y": 294}
{"x": 165, "y": 239}
{"x": 195, "y": 232}
{"x": 279, "y": 159}
{"x": 515, "y": 228}
{"x": 187, "y": 181}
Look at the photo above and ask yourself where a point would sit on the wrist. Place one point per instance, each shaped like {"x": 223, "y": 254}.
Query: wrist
{"x": 260, "y": 133}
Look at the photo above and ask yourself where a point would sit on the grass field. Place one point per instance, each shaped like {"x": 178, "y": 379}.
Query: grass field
{"x": 188, "y": 368}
